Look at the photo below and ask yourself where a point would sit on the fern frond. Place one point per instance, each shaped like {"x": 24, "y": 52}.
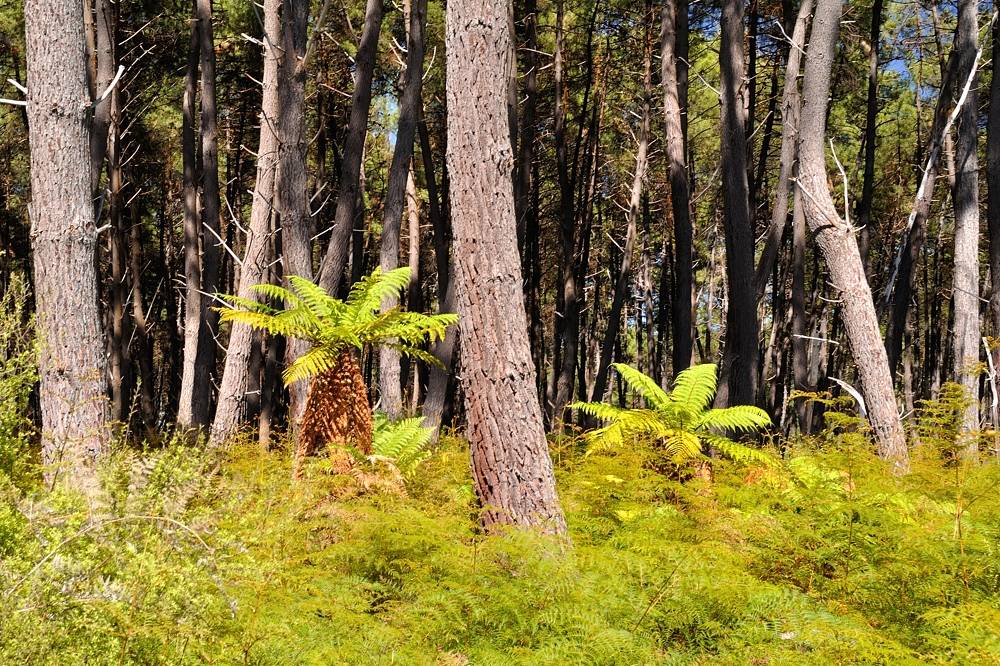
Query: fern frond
{"x": 643, "y": 384}
{"x": 739, "y": 453}
{"x": 404, "y": 442}
{"x": 276, "y": 293}
{"x": 314, "y": 362}
{"x": 695, "y": 387}
{"x": 740, "y": 418}
{"x": 681, "y": 445}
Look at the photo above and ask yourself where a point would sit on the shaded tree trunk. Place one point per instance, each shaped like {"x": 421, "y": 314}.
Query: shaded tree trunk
{"x": 232, "y": 409}
{"x": 965, "y": 196}
{"x": 511, "y": 467}
{"x": 738, "y": 382}
{"x": 993, "y": 190}
{"x": 679, "y": 193}
{"x": 350, "y": 170}
{"x": 63, "y": 234}
{"x": 864, "y": 209}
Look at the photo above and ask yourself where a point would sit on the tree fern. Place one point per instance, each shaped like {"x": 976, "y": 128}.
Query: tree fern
{"x": 331, "y": 325}
{"x": 679, "y": 423}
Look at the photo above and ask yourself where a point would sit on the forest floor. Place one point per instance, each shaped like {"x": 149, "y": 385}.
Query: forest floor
{"x": 828, "y": 560}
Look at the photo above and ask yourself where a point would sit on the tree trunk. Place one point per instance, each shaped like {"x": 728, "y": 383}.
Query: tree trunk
{"x": 71, "y": 362}
{"x": 738, "y": 385}
{"x": 192, "y": 408}
{"x": 511, "y": 467}
{"x": 232, "y": 405}
{"x": 390, "y": 385}
{"x": 209, "y": 229}
{"x": 864, "y": 209}
{"x": 291, "y": 198}
{"x": 837, "y": 243}
{"x": 679, "y": 193}
{"x": 993, "y": 189}
{"x": 791, "y": 104}
{"x": 350, "y": 169}
{"x": 965, "y": 298}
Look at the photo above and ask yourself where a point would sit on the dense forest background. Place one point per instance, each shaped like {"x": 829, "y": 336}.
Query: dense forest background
{"x": 669, "y": 282}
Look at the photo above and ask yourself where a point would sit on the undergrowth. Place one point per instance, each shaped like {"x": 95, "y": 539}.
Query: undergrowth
{"x": 197, "y": 559}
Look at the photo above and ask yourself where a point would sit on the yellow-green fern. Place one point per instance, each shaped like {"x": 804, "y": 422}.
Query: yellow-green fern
{"x": 330, "y": 325}
{"x": 680, "y": 423}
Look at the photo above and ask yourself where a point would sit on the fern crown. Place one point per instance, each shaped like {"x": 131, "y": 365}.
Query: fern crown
{"x": 681, "y": 422}
{"x": 331, "y": 325}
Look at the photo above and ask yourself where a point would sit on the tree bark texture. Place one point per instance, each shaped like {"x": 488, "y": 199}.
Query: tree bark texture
{"x": 72, "y": 395}
{"x": 511, "y": 467}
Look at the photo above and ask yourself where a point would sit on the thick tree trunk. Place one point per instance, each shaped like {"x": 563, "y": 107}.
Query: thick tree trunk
{"x": 233, "y": 405}
{"x": 350, "y": 169}
{"x": 741, "y": 355}
{"x": 511, "y": 467}
{"x": 291, "y": 198}
{"x": 837, "y": 243}
{"x": 965, "y": 292}
{"x": 71, "y": 362}
{"x": 390, "y": 385}
{"x": 679, "y": 193}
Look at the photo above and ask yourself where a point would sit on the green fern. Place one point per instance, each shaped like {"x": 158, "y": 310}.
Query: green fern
{"x": 404, "y": 442}
{"x": 331, "y": 325}
{"x": 680, "y": 422}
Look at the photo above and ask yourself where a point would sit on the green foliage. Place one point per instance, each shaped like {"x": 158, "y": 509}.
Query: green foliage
{"x": 403, "y": 442}
{"x": 680, "y": 423}
{"x": 331, "y": 325}
{"x": 18, "y": 374}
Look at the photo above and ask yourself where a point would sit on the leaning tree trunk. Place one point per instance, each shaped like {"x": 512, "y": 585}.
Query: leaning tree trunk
{"x": 233, "y": 404}
{"x": 336, "y": 411}
{"x": 354, "y": 146}
{"x": 791, "y": 104}
{"x": 838, "y": 245}
{"x": 73, "y": 404}
{"x": 390, "y": 386}
{"x": 511, "y": 467}
{"x": 965, "y": 294}
{"x": 740, "y": 357}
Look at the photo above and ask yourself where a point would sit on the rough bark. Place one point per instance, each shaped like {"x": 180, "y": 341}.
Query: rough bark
{"x": 71, "y": 361}
{"x": 336, "y": 412}
{"x": 511, "y": 467}
{"x": 192, "y": 407}
{"x": 210, "y": 229}
{"x": 738, "y": 385}
{"x": 350, "y": 169}
{"x": 390, "y": 386}
{"x": 993, "y": 189}
{"x": 965, "y": 196}
{"x": 291, "y": 198}
{"x": 837, "y": 243}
